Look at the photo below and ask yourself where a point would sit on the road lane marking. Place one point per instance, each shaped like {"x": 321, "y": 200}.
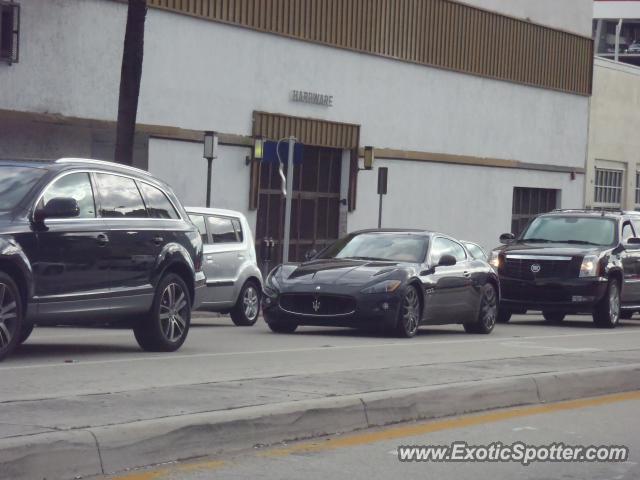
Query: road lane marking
{"x": 384, "y": 434}
{"x": 412, "y": 430}
{"x": 175, "y": 469}
{"x": 403, "y": 344}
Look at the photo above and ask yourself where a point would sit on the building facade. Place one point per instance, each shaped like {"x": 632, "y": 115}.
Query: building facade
{"x": 479, "y": 110}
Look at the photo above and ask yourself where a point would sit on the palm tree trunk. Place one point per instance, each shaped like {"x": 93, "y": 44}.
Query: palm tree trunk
{"x": 130, "y": 78}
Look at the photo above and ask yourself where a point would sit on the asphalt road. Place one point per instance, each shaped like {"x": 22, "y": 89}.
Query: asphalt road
{"x": 373, "y": 454}
{"x": 60, "y": 362}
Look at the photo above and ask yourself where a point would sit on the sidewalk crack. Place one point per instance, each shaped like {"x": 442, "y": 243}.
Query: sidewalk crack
{"x": 366, "y": 414}
{"x": 95, "y": 439}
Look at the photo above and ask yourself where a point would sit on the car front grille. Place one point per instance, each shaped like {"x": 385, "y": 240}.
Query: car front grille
{"x": 530, "y": 268}
{"x": 317, "y": 304}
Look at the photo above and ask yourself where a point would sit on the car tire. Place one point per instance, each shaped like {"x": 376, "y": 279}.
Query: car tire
{"x": 503, "y": 316}
{"x": 487, "y": 315}
{"x": 607, "y": 312}
{"x": 246, "y": 311}
{"x": 553, "y": 317}
{"x": 409, "y": 313}
{"x": 626, "y": 314}
{"x": 11, "y": 315}
{"x": 281, "y": 326}
{"x": 166, "y": 326}
{"x": 25, "y": 332}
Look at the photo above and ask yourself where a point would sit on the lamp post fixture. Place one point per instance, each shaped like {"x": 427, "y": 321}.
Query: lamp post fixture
{"x": 210, "y": 146}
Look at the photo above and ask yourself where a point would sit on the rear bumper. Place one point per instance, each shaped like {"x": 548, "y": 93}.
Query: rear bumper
{"x": 199, "y": 289}
{"x": 576, "y": 295}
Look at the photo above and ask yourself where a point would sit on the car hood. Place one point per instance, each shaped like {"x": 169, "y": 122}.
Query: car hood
{"x": 337, "y": 272}
{"x": 554, "y": 249}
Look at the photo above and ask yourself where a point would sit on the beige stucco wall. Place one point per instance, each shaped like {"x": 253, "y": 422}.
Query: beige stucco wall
{"x": 614, "y": 141}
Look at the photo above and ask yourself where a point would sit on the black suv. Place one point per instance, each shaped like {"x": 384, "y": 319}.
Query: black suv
{"x": 572, "y": 261}
{"x": 93, "y": 242}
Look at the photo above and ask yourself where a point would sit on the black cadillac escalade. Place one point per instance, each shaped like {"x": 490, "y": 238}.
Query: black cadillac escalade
{"x": 572, "y": 261}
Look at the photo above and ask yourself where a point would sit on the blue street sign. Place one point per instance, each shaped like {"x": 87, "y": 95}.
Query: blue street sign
{"x": 269, "y": 155}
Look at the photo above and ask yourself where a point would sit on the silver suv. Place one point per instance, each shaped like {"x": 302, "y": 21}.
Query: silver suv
{"x": 234, "y": 281}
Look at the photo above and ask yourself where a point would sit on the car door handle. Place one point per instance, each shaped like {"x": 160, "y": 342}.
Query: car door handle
{"x": 466, "y": 274}
{"x": 158, "y": 240}
{"x": 102, "y": 240}
{"x": 240, "y": 256}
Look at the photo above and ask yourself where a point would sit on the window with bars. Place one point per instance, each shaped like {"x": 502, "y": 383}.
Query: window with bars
{"x": 608, "y": 187}
{"x": 9, "y": 31}
{"x": 530, "y": 202}
{"x": 637, "y": 190}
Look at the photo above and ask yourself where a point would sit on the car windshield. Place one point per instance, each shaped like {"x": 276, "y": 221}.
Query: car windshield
{"x": 15, "y": 183}
{"x": 578, "y": 230}
{"x": 397, "y": 247}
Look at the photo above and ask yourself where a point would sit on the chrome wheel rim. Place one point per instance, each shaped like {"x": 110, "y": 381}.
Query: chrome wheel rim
{"x": 411, "y": 310}
{"x": 489, "y": 309}
{"x": 8, "y": 316}
{"x": 174, "y": 310}
{"x": 250, "y": 302}
{"x": 614, "y": 304}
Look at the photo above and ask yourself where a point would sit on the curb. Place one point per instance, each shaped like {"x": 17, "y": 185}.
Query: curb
{"x": 102, "y": 450}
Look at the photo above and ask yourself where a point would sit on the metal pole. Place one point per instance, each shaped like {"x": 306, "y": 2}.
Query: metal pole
{"x": 287, "y": 210}
{"x": 380, "y": 212}
{"x": 209, "y": 167}
{"x": 617, "y": 44}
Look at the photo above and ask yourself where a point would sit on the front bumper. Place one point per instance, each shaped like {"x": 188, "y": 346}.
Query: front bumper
{"x": 373, "y": 310}
{"x": 200, "y": 286}
{"x": 573, "y": 295}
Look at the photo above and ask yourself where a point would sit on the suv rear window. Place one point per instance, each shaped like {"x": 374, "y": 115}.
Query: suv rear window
{"x": 158, "y": 205}
{"x": 579, "y": 230}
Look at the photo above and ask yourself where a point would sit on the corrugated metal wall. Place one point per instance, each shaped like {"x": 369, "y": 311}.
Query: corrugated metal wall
{"x": 439, "y": 33}
{"x": 320, "y": 133}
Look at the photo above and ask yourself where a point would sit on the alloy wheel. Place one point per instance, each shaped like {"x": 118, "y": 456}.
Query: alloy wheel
{"x": 489, "y": 309}
{"x": 173, "y": 312}
{"x": 8, "y": 316}
{"x": 411, "y": 310}
{"x": 614, "y": 304}
{"x": 250, "y": 302}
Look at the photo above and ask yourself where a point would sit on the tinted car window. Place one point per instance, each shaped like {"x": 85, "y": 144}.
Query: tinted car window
{"x": 198, "y": 221}
{"x": 15, "y": 183}
{"x": 76, "y": 186}
{"x": 222, "y": 230}
{"x": 158, "y": 205}
{"x": 444, "y": 246}
{"x": 119, "y": 197}
{"x": 238, "y": 227}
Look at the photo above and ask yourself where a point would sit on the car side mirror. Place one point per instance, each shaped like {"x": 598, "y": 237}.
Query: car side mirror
{"x": 633, "y": 241}
{"x": 507, "y": 238}
{"x": 59, "y": 207}
{"x": 310, "y": 255}
{"x": 447, "y": 261}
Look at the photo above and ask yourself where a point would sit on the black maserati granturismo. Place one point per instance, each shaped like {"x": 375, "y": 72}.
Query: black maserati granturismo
{"x": 396, "y": 280}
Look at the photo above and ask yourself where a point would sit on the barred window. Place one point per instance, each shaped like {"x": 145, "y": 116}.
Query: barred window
{"x": 608, "y": 187}
{"x": 637, "y": 189}
{"x": 530, "y": 202}
{"x": 9, "y": 31}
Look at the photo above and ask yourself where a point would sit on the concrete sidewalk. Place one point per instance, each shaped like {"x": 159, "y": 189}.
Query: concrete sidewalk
{"x": 94, "y": 434}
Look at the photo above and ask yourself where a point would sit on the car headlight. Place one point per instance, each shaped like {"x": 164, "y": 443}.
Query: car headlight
{"x": 589, "y": 267}
{"x": 271, "y": 285}
{"x": 388, "y": 286}
{"x": 494, "y": 259}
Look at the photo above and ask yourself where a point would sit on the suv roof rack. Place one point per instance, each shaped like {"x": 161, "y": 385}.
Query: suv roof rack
{"x": 601, "y": 210}
{"x": 101, "y": 162}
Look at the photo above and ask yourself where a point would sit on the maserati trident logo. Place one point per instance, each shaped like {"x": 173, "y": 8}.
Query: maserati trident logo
{"x": 535, "y": 268}
{"x": 316, "y": 305}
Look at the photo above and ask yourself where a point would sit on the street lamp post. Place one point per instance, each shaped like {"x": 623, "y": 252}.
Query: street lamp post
{"x": 210, "y": 145}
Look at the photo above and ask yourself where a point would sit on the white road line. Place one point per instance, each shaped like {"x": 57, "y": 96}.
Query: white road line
{"x": 403, "y": 344}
